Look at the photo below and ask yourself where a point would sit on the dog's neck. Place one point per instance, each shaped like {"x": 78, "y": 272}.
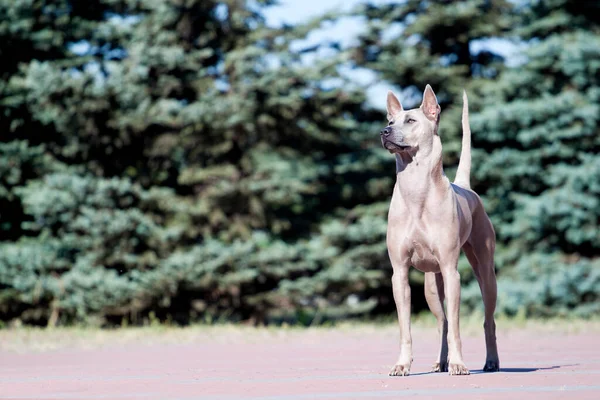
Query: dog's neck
{"x": 420, "y": 172}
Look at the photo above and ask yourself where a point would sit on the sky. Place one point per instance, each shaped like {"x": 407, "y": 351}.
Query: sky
{"x": 296, "y": 11}
{"x": 345, "y": 31}
{"x": 293, "y": 11}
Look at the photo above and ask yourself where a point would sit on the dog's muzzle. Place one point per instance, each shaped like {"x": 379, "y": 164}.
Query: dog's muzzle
{"x": 388, "y": 144}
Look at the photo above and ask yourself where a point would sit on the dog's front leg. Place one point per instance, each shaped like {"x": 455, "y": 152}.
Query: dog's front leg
{"x": 401, "y": 290}
{"x": 456, "y": 365}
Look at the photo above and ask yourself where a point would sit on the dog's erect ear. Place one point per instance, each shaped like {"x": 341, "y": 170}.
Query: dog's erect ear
{"x": 430, "y": 105}
{"x": 393, "y": 105}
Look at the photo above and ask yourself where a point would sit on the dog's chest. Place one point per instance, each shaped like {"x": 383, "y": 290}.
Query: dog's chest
{"x": 413, "y": 242}
{"x": 422, "y": 253}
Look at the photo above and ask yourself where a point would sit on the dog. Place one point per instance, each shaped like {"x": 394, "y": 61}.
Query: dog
{"x": 430, "y": 219}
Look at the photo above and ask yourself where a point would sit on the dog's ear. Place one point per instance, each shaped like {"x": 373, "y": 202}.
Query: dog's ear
{"x": 393, "y": 105}
{"x": 430, "y": 105}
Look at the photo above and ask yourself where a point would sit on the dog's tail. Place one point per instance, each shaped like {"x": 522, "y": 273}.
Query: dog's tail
{"x": 463, "y": 173}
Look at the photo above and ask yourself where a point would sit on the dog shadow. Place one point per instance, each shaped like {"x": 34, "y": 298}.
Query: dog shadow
{"x": 523, "y": 370}
{"x": 505, "y": 370}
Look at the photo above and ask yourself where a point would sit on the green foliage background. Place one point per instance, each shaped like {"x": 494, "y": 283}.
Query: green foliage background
{"x": 183, "y": 159}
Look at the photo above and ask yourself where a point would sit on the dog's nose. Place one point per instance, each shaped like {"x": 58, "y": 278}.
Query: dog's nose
{"x": 386, "y": 131}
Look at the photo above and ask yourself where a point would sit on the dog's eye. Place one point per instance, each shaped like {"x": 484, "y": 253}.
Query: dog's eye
{"x": 410, "y": 121}
{"x": 391, "y": 122}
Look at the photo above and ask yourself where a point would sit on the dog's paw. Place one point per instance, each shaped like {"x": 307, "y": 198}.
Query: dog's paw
{"x": 439, "y": 367}
{"x": 400, "y": 370}
{"x": 457, "y": 369}
{"x": 491, "y": 366}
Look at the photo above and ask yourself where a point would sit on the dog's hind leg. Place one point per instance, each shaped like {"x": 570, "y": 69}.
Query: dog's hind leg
{"x": 434, "y": 294}
{"x": 479, "y": 250}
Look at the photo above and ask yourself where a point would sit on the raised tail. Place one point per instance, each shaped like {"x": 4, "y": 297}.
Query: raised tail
{"x": 463, "y": 173}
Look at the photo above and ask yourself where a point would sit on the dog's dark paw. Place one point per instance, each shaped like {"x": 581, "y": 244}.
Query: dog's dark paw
{"x": 458, "y": 369}
{"x": 491, "y": 366}
{"x": 439, "y": 367}
{"x": 400, "y": 370}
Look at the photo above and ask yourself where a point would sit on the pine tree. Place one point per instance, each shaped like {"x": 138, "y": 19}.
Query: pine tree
{"x": 184, "y": 159}
{"x": 32, "y": 30}
{"x": 539, "y": 162}
{"x": 36, "y": 32}
{"x": 202, "y": 157}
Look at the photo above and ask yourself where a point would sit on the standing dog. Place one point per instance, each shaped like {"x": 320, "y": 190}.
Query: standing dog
{"x": 429, "y": 221}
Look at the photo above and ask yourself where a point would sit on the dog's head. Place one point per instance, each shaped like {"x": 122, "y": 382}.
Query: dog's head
{"x": 411, "y": 130}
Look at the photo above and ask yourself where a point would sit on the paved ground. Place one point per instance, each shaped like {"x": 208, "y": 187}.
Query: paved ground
{"x": 348, "y": 363}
